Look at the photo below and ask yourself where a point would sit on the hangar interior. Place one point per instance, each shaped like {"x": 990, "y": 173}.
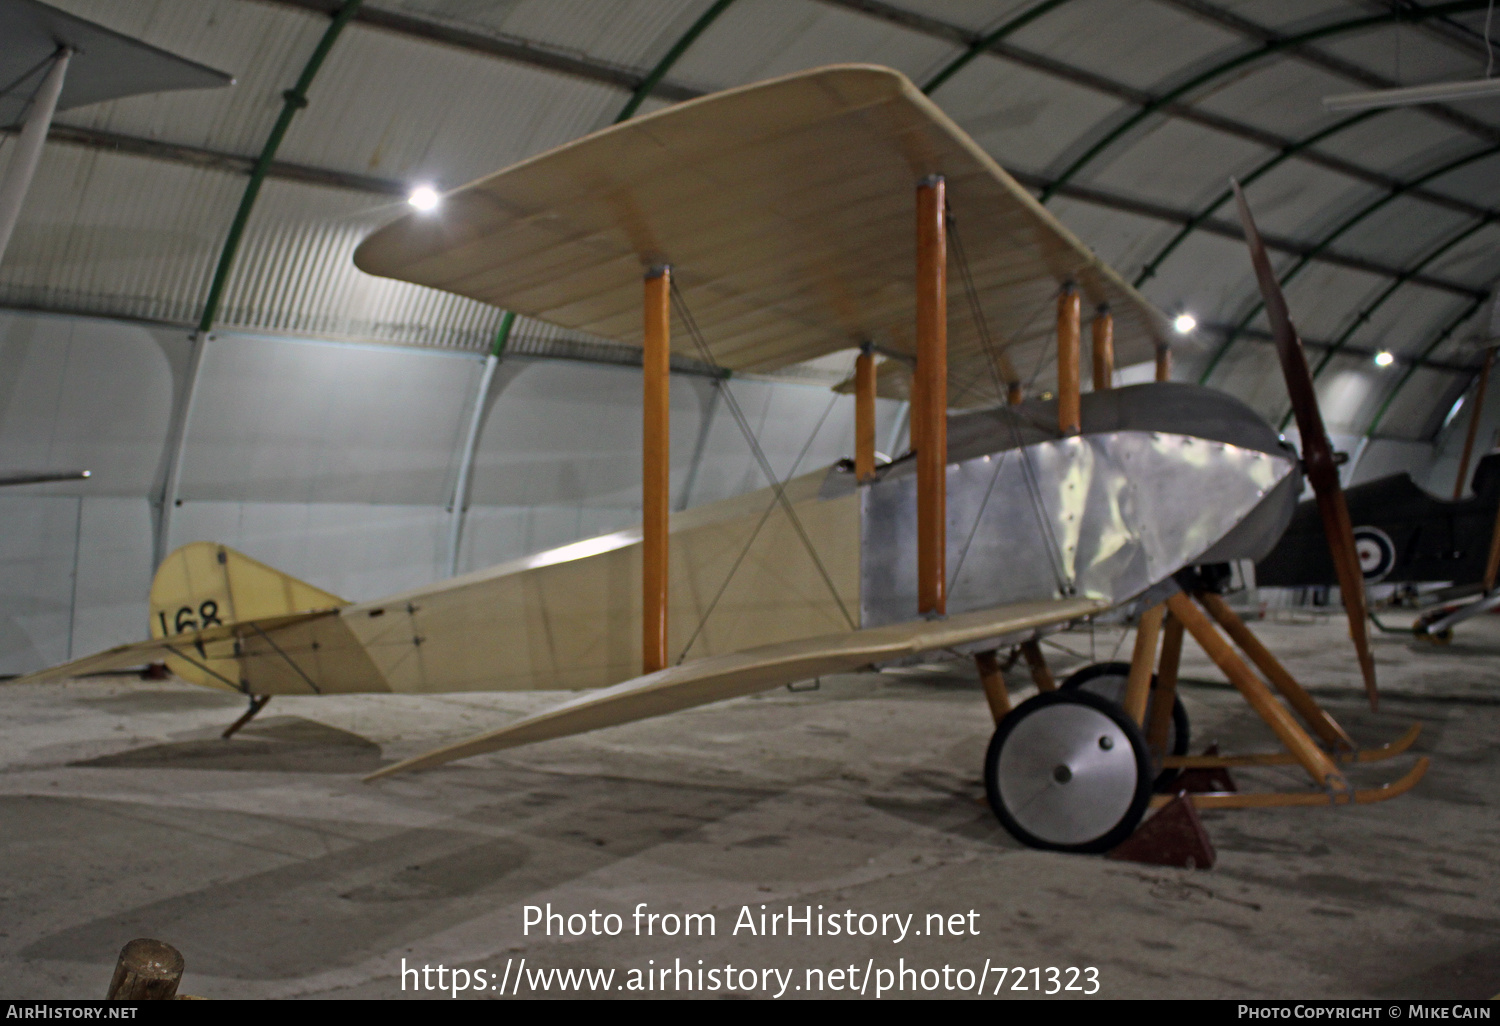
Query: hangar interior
{"x": 180, "y": 314}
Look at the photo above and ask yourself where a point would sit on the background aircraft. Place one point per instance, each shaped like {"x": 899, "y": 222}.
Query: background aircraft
{"x": 1407, "y": 535}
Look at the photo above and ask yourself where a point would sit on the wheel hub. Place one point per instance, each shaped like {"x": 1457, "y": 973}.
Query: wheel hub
{"x": 1068, "y": 774}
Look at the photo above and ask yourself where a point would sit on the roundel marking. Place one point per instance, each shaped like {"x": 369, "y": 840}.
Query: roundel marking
{"x": 1376, "y": 552}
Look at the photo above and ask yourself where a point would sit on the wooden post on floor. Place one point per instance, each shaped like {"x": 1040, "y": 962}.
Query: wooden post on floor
{"x": 930, "y": 403}
{"x": 147, "y": 970}
{"x": 1306, "y": 706}
{"x": 864, "y": 414}
{"x": 1297, "y": 741}
{"x": 1160, "y": 724}
{"x": 656, "y": 467}
{"x": 1041, "y": 673}
{"x": 1014, "y": 394}
{"x": 990, "y": 675}
{"x": 1104, "y": 348}
{"x": 1142, "y": 664}
{"x": 1163, "y": 363}
{"x": 1069, "y": 317}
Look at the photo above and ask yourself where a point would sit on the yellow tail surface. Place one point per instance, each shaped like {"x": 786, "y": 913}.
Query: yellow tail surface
{"x": 204, "y": 584}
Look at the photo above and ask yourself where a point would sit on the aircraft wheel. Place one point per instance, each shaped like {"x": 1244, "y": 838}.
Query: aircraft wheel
{"x": 1068, "y": 771}
{"x": 1109, "y": 679}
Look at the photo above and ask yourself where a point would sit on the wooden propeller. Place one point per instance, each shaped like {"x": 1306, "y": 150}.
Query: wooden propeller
{"x": 1317, "y": 453}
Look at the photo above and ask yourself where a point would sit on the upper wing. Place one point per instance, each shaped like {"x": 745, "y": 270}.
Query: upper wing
{"x": 742, "y": 673}
{"x": 204, "y": 648}
{"x": 787, "y": 211}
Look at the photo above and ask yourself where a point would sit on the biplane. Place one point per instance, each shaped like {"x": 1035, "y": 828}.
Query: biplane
{"x": 772, "y": 224}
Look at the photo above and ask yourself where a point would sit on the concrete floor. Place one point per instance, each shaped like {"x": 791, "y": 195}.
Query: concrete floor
{"x": 279, "y": 874}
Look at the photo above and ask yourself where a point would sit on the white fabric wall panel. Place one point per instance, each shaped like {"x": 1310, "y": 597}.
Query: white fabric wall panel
{"x": 565, "y": 434}
{"x": 358, "y": 551}
{"x": 1385, "y": 456}
{"x": 569, "y": 434}
{"x": 497, "y": 534}
{"x": 1450, "y": 447}
{"x": 114, "y": 573}
{"x": 84, "y": 394}
{"x": 783, "y": 418}
{"x": 36, "y": 579}
{"x": 290, "y": 420}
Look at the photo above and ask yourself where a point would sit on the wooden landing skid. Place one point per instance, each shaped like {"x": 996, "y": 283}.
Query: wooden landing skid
{"x": 1276, "y": 799}
{"x": 1383, "y": 752}
{"x": 1300, "y": 748}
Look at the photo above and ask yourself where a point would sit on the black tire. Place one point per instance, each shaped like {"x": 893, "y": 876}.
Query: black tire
{"x": 1052, "y": 742}
{"x": 1180, "y": 738}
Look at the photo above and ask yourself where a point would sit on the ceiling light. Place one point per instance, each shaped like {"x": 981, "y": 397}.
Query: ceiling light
{"x": 1437, "y": 92}
{"x": 1184, "y": 323}
{"x": 1384, "y": 359}
{"x": 424, "y": 198}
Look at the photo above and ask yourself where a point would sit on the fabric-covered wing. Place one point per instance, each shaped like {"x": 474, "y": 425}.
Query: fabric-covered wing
{"x": 741, "y": 673}
{"x": 787, "y": 211}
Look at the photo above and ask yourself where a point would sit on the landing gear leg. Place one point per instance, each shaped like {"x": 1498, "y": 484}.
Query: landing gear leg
{"x": 257, "y": 703}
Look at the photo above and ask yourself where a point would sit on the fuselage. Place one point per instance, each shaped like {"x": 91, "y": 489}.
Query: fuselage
{"x": 1163, "y": 476}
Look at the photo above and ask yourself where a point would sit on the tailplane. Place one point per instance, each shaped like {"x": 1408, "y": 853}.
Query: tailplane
{"x": 204, "y": 585}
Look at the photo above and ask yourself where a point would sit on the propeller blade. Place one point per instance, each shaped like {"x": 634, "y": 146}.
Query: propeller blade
{"x": 1317, "y": 452}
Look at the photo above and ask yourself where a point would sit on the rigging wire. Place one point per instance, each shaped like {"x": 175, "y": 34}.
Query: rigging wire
{"x": 38, "y": 66}
{"x": 745, "y": 551}
{"x": 981, "y": 325}
{"x": 991, "y": 359}
{"x": 1028, "y": 472}
{"x": 1118, "y": 645}
{"x": 26, "y": 107}
{"x": 978, "y": 517}
{"x": 760, "y": 455}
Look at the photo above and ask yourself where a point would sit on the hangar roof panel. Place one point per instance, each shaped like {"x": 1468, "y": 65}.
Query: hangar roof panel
{"x": 452, "y": 89}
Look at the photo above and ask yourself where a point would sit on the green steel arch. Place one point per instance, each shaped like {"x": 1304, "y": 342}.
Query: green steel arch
{"x": 1327, "y": 240}
{"x": 1148, "y": 270}
{"x": 984, "y": 42}
{"x": 656, "y": 74}
{"x": 1441, "y": 337}
{"x": 1249, "y": 57}
{"x": 293, "y": 100}
{"x": 1368, "y": 311}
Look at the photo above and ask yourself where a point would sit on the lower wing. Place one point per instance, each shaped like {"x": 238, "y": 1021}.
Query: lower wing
{"x": 741, "y": 673}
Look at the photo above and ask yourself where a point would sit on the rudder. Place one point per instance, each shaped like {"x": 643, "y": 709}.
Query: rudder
{"x": 204, "y": 584}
